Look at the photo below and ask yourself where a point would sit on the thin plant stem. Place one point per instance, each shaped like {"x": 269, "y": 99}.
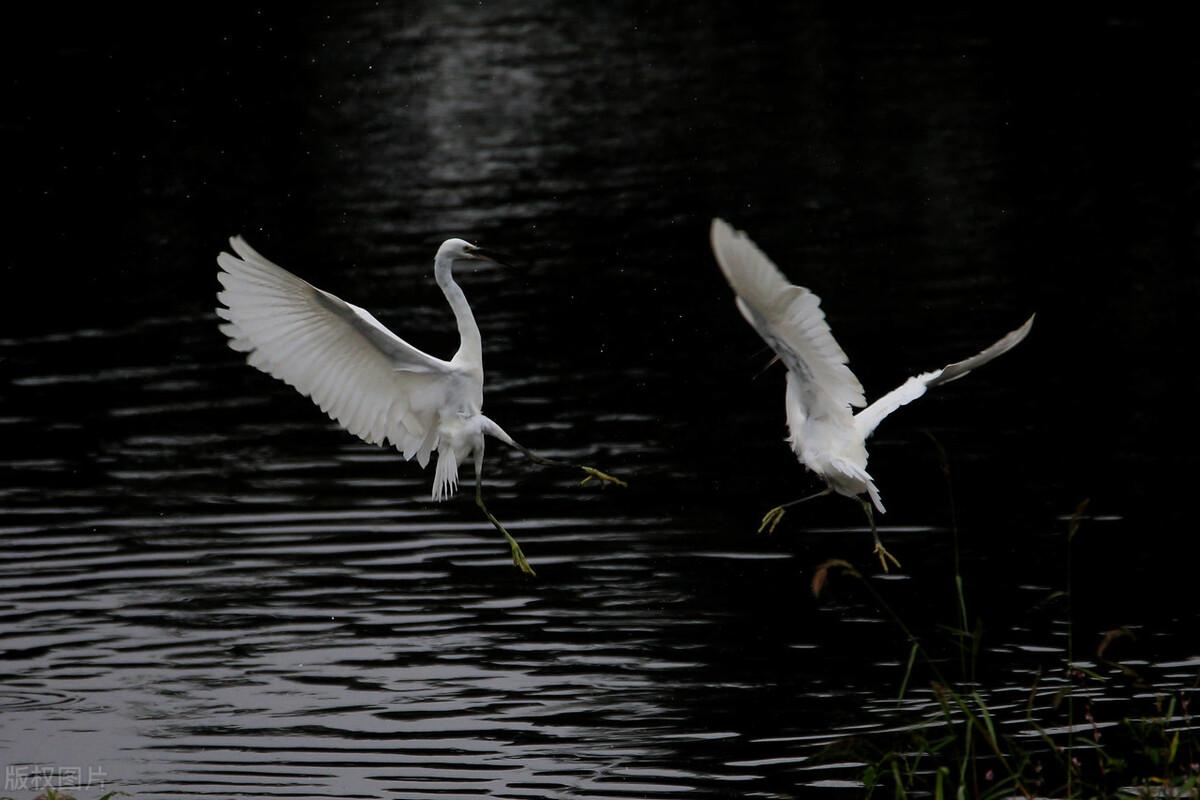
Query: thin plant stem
{"x": 1072, "y": 529}
{"x": 960, "y": 592}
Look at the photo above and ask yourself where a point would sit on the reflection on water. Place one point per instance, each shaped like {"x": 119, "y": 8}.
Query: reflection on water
{"x": 209, "y": 591}
{"x": 213, "y": 593}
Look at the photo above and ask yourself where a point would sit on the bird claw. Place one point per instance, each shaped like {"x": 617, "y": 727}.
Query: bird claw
{"x": 885, "y": 556}
{"x": 518, "y": 556}
{"x": 603, "y": 477}
{"x": 771, "y": 519}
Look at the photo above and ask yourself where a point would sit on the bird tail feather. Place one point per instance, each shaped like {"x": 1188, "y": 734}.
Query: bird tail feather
{"x": 445, "y": 474}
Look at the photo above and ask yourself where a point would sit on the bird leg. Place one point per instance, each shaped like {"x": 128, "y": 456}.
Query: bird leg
{"x": 772, "y": 517}
{"x": 518, "y": 556}
{"x": 592, "y": 472}
{"x": 880, "y": 550}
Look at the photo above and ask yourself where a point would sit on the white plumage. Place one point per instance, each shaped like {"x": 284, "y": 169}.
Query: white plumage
{"x": 372, "y": 382}
{"x": 825, "y": 433}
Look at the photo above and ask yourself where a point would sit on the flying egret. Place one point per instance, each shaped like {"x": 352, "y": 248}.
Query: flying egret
{"x": 372, "y": 382}
{"x": 826, "y": 435}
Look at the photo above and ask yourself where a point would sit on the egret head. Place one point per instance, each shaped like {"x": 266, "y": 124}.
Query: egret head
{"x": 460, "y": 250}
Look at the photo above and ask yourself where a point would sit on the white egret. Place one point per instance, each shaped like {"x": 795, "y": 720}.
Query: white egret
{"x": 372, "y": 382}
{"x": 824, "y": 432}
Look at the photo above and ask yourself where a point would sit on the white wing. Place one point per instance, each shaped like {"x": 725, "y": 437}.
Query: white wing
{"x": 869, "y": 418}
{"x": 371, "y": 381}
{"x": 790, "y": 320}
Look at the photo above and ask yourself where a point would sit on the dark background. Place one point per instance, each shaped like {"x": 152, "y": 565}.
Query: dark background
{"x": 967, "y": 169}
{"x": 935, "y": 178}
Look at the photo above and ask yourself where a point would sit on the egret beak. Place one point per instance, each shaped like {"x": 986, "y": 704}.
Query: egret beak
{"x": 770, "y": 364}
{"x": 480, "y": 254}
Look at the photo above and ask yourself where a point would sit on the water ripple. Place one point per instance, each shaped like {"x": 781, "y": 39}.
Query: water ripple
{"x": 210, "y": 591}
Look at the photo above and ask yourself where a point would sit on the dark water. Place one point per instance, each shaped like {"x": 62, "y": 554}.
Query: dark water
{"x": 206, "y": 590}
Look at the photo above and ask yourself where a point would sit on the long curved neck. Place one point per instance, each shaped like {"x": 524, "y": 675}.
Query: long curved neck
{"x": 470, "y": 348}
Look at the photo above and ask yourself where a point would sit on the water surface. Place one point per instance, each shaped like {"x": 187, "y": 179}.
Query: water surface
{"x": 208, "y": 590}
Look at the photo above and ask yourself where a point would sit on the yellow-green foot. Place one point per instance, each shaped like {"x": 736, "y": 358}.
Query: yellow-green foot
{"x": 771, "y": 519}
{"x": 603, "y": 477}
{"x": 518, "y": 556}
{"x": 885, "y": 556}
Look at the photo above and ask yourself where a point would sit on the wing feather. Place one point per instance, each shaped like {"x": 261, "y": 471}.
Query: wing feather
{"x": 790, "y": 320}
{"x": 376, "y": 385}
{"x": 870, "y": 417}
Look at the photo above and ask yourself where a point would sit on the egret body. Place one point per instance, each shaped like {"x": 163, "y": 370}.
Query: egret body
{"x": 373, "y": 383}
{"x": 823, "y": 430}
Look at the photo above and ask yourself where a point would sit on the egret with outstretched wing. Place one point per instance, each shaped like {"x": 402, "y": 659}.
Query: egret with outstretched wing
{"x": 373, "y": 383}
{"x": 825, "y": 433}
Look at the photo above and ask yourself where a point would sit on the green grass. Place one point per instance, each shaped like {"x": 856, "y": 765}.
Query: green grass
{"x": 961, "y": 751}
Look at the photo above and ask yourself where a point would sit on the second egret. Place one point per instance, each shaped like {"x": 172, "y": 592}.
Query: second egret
{"x": 824, "y": 432}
